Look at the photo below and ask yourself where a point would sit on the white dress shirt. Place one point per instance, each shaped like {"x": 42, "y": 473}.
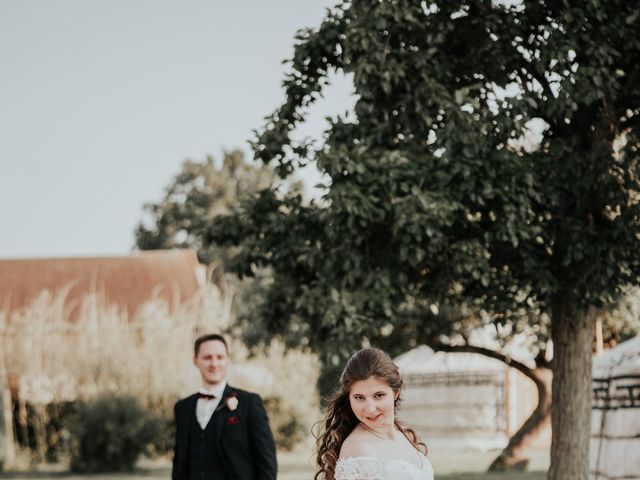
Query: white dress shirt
{"x": 205, "y": 407}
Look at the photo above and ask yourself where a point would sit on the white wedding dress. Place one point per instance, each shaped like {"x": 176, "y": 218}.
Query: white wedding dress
{"x": 374, "y": 468}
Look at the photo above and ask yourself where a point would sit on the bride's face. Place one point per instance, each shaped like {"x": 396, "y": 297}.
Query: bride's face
{"x": 372, "y": 402}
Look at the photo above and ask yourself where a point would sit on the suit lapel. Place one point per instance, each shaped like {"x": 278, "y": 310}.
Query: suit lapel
{"x": 189, "y": 411}
{"x": 221, "y": 414}
{"x": 190, "y": 408}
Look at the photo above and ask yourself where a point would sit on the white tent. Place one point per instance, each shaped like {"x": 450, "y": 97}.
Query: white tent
{"x": 615, "y": 419}
{"x": 463, "y": 400}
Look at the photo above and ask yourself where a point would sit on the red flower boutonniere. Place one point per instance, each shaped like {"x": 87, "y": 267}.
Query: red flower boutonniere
{"x": 232, "y": 420}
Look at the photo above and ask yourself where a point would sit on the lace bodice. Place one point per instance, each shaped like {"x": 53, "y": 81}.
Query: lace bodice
{"x": 373, "y": 468}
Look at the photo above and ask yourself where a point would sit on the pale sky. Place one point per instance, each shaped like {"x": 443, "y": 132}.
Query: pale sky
{"x": 101, "y": 101}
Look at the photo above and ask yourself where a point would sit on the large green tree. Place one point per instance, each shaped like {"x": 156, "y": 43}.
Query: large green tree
{"x": 432, "y": 198}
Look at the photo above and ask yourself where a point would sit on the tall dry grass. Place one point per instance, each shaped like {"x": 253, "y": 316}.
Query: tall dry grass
{"x": 103, "y": 352}
{"x": 149, "y": 356}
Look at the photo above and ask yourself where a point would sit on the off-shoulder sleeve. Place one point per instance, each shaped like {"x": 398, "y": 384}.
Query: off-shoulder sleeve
{"x": 358, "y": 468}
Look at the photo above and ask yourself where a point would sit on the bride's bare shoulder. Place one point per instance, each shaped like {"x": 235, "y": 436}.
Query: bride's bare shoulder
{"x": 358, "y": 444}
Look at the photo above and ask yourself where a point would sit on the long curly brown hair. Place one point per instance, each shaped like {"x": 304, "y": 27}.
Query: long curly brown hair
{"x": 339, "y": 420}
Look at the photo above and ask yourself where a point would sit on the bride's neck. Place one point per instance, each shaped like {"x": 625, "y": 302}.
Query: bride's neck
{"x": 387, "y": 432}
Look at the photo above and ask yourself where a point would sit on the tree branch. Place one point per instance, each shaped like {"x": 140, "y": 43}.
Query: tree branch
{"x": 487, "y": 352}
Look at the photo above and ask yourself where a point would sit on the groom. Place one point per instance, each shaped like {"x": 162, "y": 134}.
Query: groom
{"x": 222, "y": 432}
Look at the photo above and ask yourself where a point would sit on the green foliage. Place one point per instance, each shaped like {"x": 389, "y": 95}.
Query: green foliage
{"x": 328, "y": 380}
{"x": 197, "y": 195}
{"x": 288, "y": 429}
{"x": 622, "y": 322}
{"x": 111, "y": 433}
{"x": 434, "y": 201}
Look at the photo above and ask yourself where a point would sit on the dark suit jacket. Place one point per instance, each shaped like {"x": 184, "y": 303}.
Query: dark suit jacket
{"x": 243, "y": 437}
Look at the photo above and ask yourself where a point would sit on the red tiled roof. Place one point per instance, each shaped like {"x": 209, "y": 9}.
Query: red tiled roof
{"x": 127, "y": 282}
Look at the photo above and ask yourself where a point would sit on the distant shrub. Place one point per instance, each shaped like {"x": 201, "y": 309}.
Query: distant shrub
{"x": 110, "y": 433}
{"x": 163, "y": 443}
{"x": 42, "y": 429}
{"x": 288, "y": 428}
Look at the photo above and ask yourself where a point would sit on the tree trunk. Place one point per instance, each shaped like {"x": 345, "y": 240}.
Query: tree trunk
{"x": 572, "y": 332}
{"x": 512, "y": 457}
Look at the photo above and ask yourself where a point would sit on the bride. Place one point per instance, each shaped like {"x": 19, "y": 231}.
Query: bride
{"x": 361, "y": 439}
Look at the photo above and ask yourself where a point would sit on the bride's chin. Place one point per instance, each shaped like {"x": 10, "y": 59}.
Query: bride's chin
{"x": 381, "y": 421}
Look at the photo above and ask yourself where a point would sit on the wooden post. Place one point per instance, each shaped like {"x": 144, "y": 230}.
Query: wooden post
{"x": 599, "y": 347}
{"x": 507, "y": 403}
{"x": 7, "y": 448}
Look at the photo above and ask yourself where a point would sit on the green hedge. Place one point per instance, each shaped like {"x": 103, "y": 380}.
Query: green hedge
{"x": 110, "y": 433}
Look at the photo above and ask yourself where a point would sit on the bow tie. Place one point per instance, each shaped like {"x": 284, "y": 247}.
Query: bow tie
{"x": 206, "y": 396}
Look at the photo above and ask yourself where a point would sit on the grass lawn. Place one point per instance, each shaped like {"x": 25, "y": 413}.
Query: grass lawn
{"x": 164, "y": 474}
{"x": 459, "y": 465}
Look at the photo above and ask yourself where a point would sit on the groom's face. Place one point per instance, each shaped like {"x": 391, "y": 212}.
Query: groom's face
{"x": 212, "y": 361}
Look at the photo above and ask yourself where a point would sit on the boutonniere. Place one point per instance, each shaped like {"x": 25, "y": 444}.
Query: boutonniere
{"x": 231, "y": 402}
{"x": 233, "y": 420}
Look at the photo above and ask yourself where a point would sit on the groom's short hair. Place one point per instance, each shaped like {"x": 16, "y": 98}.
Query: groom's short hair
{"x": 206, "y": 338}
